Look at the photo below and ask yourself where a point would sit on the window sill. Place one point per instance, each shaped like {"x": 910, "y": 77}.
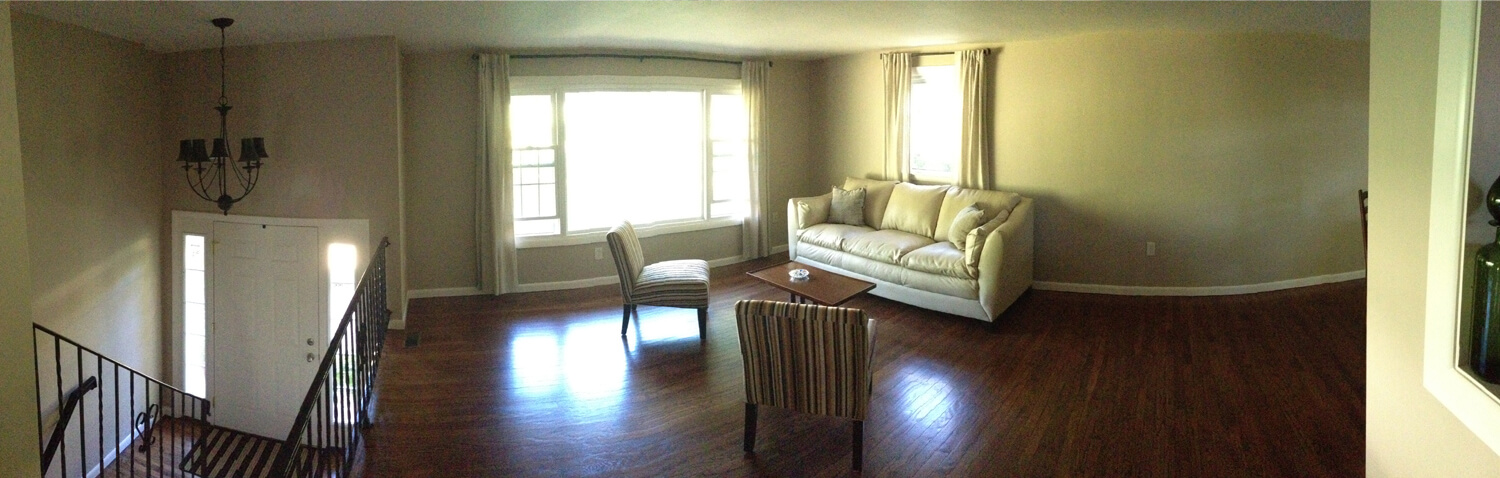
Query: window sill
{"x": 596, "y": 237}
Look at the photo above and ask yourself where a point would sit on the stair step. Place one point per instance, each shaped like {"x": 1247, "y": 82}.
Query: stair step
{"x": 224, "y": 453}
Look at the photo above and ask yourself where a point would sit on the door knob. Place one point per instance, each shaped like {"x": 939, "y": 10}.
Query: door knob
{"x": 310, "y": 357}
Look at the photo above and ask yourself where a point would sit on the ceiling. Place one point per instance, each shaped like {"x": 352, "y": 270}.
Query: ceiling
{"x": 731, "y": 28}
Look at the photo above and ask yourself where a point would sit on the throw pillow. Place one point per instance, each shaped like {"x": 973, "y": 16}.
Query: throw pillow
{"x": 847, "y": 207}
{"x": 914, "y": 209}
{"x": 967, "y": 220}
{"x": 877, "y": 195}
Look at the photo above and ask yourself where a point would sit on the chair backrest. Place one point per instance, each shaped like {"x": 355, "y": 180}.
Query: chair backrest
{"x": 1364, "y": 218}
{"x": 625, "y": 246}
{"x": 806, "y": 357}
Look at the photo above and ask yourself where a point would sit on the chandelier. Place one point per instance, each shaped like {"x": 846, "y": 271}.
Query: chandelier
{"x": 210, "y": 174}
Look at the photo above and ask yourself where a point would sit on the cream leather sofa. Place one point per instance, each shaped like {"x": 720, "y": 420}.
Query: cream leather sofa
{"x": 905, "y": 248}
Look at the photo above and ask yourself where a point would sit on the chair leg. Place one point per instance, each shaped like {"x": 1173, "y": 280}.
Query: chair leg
{"x": 703, "y": 322}
{"x": 859, "y": 444}
{"x": 625, "y": 324}
{"x": 750, "y": 409}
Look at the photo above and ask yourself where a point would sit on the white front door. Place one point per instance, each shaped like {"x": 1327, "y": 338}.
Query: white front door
{"x": 267, "y": 330}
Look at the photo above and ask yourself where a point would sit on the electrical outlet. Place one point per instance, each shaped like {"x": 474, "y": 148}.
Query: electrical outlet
{"x": 1150, "y": 248}
{"x": 598, "y": 253}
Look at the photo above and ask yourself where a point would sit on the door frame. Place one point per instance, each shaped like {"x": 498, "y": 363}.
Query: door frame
{"x": 330, "y": 231}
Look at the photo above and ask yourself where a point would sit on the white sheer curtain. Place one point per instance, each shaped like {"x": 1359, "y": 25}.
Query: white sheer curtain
{"x": 974, "y": 166}
{"x": 757, "y": 227}
{"x": 493, "y": 209}
{"x": 897, "y": 114}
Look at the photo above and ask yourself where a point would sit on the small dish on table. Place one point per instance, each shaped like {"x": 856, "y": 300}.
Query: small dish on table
{"x": 798, "y": 274}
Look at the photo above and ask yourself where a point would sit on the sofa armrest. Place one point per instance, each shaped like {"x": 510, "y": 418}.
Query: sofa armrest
{"x": 797, "y": 218}
{"x": 1005, "y": 262}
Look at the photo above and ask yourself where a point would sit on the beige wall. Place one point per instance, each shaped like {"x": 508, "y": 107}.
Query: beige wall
{"x": 1408, "y": 432}
{"x": 438, "y": 100}
{"x": 329, "y": 111}
{"x": 1238, "y": 154}
{"x": 18, "y": 447}
{"x": 439, "y": 95}
{"x": 89, "y": 106}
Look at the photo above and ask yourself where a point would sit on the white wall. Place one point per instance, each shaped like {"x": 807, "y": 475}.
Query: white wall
{"x": 1408, "y": 432}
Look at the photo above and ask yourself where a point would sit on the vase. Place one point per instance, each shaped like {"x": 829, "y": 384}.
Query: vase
{"x": 1485, "y": 346}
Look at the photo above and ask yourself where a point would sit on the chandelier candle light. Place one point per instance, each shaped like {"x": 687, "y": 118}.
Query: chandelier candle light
{"x": 208, "y": 173}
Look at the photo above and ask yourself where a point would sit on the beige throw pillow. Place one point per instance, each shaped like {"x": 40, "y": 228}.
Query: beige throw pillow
{"x": 847, "y": 207}
{"x": 967, "y": 220}
{"x": 877, "y": 194}
{"x": 914, "y": 209}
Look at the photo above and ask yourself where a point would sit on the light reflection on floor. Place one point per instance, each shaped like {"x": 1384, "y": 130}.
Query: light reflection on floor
{"x": 926, "y": 397}
{"x": 586, "y": 363}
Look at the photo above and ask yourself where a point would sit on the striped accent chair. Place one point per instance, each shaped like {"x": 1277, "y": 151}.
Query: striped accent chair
{"x": 680, "y": 283}
{"x": 806, "y": 357}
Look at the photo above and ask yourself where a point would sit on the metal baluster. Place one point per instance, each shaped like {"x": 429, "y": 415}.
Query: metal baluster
{"x": 116, "y": 395}
{"x": 83, "y": 439}
{"x": 57, "y": 364}
{"x": 41, "y": 434}
{"x": 99, "y": 397}
{"x": 133, "y": 438}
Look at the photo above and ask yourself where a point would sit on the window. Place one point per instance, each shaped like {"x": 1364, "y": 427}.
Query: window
{"x": 936, "y": 118}
{"x": 194, "y": 313}
{"x": 588, "y": 152}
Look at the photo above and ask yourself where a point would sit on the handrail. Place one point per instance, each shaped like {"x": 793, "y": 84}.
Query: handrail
{"x": 74, "y": 397}
{"x": 114, "y": 414}
{"x": 106, "y": 358}
{"x": 324, "y": 406}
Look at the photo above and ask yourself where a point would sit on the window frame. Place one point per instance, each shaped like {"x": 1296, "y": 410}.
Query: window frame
{"x": 557, "y": 87}
{"x": 919, "y": 61}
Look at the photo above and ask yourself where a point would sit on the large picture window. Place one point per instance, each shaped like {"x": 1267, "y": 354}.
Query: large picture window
{"x": 588, "y": 152}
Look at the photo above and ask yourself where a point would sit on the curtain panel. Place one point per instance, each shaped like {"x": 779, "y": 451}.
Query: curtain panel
{"x": 974, "y": 165}
{"x": 757, "y": 227}
{"x": 898, "y": 68}
{"x": 494, "y": 230}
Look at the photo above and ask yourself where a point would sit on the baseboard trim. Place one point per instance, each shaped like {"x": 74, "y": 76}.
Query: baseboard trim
{"x": 1197, "y": 291}
{"x": 446, "y": 292}
{"x": 606, "y": 280}
{"x": 779, "y": 249}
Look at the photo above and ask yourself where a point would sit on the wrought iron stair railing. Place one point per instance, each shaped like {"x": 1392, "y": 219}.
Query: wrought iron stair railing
{"x": 112, "y": 416}
{"x": 325, "y": 437}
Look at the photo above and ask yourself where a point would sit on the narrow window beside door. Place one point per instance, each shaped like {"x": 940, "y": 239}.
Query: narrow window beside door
{"x": 195, "y": 329}
{"x": 341, "y": 282}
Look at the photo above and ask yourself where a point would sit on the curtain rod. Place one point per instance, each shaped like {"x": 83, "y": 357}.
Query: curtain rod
{"x": 628, "y": 57}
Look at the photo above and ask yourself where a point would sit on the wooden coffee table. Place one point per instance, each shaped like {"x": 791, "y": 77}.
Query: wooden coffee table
{"x": 821, "y": 287}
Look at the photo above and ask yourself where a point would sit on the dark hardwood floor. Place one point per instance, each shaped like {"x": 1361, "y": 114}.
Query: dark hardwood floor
{"x": 541, "y": 384}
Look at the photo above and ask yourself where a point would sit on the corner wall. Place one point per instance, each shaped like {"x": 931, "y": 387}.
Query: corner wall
{"x": 19, "y": 455}
{"x": 89, "y": 106}
{"x": 1238, "y": 154}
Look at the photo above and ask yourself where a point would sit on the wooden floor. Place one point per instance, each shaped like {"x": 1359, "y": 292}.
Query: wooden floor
{"x": 1070, "y": 384}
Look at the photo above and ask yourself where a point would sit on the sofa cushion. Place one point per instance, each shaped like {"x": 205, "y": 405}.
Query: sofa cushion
{"x": 811, "y": 212}
{"x": 938, "y": 258}
{"x": 969, "y": 218}
{"x": 831, "y": 236}
{"x": 877, "y": 195}
{"x": 994, "y": 203}
{"x": 847, "y": 206}
{"x": 885, "y": 245}
{"x": 914, "y": 209}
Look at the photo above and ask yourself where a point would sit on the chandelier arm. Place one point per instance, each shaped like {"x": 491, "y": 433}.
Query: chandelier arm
{"x": 254, "y": 179}
{"x": 195, "y": 182}
{"x": 246, "y": 183}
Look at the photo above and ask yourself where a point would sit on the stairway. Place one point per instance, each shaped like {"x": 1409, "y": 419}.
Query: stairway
{"x": 226, "y": 453}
